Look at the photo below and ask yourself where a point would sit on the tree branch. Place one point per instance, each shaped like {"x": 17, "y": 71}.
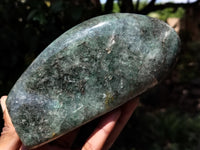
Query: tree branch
{"x": 148, "y": 9}
{"x": 108, "y": 6}
{"x": 137, "y": 5}
{"x": 97, "y": 5}
{"x": 126, "y": 6}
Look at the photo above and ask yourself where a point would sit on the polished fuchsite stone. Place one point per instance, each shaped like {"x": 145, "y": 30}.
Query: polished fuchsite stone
{"x": 88, "y": 71}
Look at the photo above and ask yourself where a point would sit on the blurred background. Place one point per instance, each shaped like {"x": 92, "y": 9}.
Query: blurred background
{"x": 168, "y": 117}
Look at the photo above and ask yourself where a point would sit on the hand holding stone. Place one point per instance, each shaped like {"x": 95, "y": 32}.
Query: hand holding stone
{"x": 87, "y": 72}
{"x": 102, "y": 138}
{"x": 9, "y": 139}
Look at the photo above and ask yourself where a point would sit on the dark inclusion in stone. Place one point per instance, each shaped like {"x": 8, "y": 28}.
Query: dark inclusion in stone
{"x": 90, "y": 70}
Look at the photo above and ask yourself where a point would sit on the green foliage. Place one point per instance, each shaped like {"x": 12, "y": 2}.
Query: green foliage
{"x": 142, "y": 4}
{"x": 116, "y": 8}
{"x": 164, "y": 130}
{"x": 168, "y": 13}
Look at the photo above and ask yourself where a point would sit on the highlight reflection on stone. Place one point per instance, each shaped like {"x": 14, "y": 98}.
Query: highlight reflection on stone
{"x": 90, "y": 70}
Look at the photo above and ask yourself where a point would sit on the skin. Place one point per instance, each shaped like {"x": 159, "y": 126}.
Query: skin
{"x": 102, "y": 137}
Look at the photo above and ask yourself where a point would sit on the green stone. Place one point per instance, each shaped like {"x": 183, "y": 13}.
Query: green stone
{"x": 88, "y": 71}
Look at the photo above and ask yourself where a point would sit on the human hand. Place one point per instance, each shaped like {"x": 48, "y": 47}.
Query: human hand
{"x": 103, "y": 136}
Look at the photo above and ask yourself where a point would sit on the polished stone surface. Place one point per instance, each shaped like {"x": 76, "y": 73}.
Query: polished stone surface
{"x": 90, "y": 70}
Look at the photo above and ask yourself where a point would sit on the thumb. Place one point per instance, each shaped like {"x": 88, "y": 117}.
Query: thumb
{"x": 9, "y": 138}
{"x": 6, "y": 117}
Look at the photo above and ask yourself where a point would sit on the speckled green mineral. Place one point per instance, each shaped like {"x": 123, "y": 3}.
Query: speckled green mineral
{"x": 90, "y": 70}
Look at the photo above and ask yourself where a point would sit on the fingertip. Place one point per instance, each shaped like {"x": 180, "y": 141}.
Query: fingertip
{"x": 3, "y": 98}
{"x": 115, "y": 114}
{"x": 3, "y": 103}
{"x": 6, "y": 117}
{"x": 126, "y": 111}
{"x": 112, "y": 116}
{"x": 103, "y": 130}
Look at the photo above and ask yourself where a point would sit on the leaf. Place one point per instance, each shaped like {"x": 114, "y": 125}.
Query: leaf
{"x": 57, "y": 6}
{"x": 32, "y": 14}
{"x": 76, "y": 12}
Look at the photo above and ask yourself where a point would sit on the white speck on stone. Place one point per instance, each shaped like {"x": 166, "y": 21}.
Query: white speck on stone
{"x": 111, "y": 42}
{"x": 86, "y": 78}
{"x": 23, "y": 97}
{"x": 166, "y": 34}
{"x": 23, "y": 120}
{"x": 77, "y": 62}
{"x": 79, "y": 108}
{"x": 110, "y": 77}
{"x": 121, "y": 84}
